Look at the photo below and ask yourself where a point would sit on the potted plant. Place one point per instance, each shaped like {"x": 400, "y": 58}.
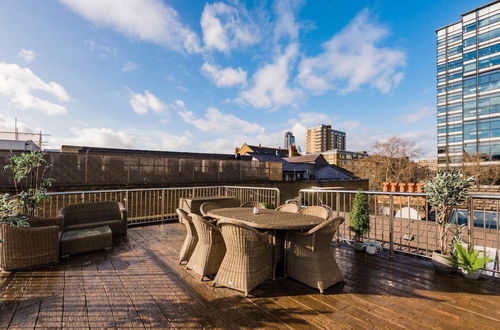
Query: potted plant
{"x": 359, "y": 219}
{"x": 447, "y": 190}
{"x": 8, "y": 213}
{"x": 28, "y": 171}
{"x": 372, "y": 246}
{"x": 468, "y": 260}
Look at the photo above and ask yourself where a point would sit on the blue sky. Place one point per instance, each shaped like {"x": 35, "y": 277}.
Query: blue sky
{"x": 208, "y": 76}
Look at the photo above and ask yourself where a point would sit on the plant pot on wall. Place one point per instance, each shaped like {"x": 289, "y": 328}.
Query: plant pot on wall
{"x": 371, "y": 250}
{"x": 471, "y": 275}
{"x": 442, "y": 264}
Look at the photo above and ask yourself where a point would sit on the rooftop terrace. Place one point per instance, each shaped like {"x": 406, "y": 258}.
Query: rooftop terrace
{"x": 140, "y": 284}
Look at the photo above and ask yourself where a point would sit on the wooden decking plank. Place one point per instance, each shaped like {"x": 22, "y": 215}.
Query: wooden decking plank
{"x": 29, "y": 305}
{"x": 430, "y": 289}
{"x": 220, "y": 301}
{"x": 448, "y": 312}
{"x": 140, "y": 284}
{"x": 186, "y": 298}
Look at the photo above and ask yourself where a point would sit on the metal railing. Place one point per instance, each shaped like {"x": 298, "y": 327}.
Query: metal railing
{"x": 405, "y": 222}
{"x": 155, "y": 204}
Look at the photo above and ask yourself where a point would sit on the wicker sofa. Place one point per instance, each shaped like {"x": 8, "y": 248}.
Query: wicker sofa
{"x": 97, "y": 214}
{"x": 36, "y": 245}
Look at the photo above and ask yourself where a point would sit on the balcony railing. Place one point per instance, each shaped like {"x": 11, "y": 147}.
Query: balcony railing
{"x": 405, "y": 222}
{"x": 156, "y": 204}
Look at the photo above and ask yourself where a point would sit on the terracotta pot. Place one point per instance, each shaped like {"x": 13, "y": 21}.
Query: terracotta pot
{"x": 420, "y": 187}
{"x": 402, "y": 187}
{"x": 442, "y": 264}
{"x": 386, "y": 186}
{"x": 411, "y": 187}
{"x": 394, "y": 187}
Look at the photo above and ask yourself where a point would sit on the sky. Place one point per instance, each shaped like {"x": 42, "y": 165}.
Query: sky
{"x": 209, "y": 76}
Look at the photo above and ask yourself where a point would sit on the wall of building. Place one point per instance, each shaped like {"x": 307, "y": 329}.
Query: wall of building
{"x": 87, "y": 171}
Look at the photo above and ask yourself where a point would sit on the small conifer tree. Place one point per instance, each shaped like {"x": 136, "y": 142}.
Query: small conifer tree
{"x": 360, "y": 216}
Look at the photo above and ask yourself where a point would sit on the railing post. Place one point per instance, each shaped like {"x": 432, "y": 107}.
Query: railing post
{"x": 337, "y": 203}
{"x": 391, "y": 226}
{"x": 470, "y": 221}
{"x": 162, "y": 205}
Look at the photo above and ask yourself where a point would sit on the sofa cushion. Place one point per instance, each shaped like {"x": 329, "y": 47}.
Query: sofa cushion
{"x": 88, "y": 225}
{"x": 90, "y": 213}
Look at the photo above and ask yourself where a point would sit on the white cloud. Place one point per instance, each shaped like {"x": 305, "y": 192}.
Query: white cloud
{"x": 225, "y": 27}
{"x": 146, "y": 20}
{"x": 103, "y": 50}
{"x": 286, "y": 26}
{"x": 19, "y": 84}
{"x": 8, "y": 124}
{"x": 129, "y": 66}
{"x": 27, "y": 55}
{"x": 129, "y": 138}
{"x": 226, "y": 77}
{"x": 143, "y": 103}
{"x": 219, "y": 123}
{"x": 270, "y": 88}
{"x": 417, "y": 115}
{"x": 352, "y": 58}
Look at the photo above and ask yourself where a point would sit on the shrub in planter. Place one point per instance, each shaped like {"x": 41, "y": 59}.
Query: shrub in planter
{"x": 359, "y": 219}
{"x": 447, "y": 190}
{"x": 468, "y": 260}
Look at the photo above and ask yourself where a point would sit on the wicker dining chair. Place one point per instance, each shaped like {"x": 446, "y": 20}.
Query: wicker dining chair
{"x": 191, "y": 236}
{"x": 290, "y": 208}
{"x": 318, "y": 211}
{"x": 207, "y": 207}
{"x": 248, "y": 261}
{"x": 253, "y": 204}
{"x": 210, "y": 250}
{"x": 308, "y": 258}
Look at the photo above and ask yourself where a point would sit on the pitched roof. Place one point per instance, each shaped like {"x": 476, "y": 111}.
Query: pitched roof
{"x": 269, "y": 151}
{"x": 310, "y": 158}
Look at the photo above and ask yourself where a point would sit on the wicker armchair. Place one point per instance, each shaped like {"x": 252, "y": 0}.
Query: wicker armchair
{"x": 253, "y": 204}
{"x": 318, "y": 211}
{"x": 210, "y": 249}
{"x": 290, "y": 208}
{"x": 191, "y": 237}
{"x": 308, "y": 258}
{"x": 91, "y": 215}
{"x": 26, "y": 247}
{"x": 207, "y": 207}
{"x": 247, "y": 262}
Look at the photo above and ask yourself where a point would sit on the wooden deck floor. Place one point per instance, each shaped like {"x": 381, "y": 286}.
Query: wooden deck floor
{"x": 139, "y": 284}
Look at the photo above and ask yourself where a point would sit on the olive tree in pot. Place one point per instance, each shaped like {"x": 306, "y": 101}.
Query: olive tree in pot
{"x": 359, "y": 218}
{"x": 447, "y": 190}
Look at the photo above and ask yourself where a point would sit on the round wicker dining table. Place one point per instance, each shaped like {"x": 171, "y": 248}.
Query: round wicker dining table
{"x": 275, "y": 221}
{"x": 267, "y": 219}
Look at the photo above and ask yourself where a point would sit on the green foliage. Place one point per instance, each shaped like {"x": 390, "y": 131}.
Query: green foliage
{"x": 28, "y": 170}
{"x": 360, "y": 215}
{"x": 468, "y": 259}
{"x": 266, "y": 205}
{"x": 447, "y": 190}
{"x": 9, "y": 207}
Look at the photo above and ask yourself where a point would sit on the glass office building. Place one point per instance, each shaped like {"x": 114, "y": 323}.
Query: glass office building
{"x": 468, "y": 88}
